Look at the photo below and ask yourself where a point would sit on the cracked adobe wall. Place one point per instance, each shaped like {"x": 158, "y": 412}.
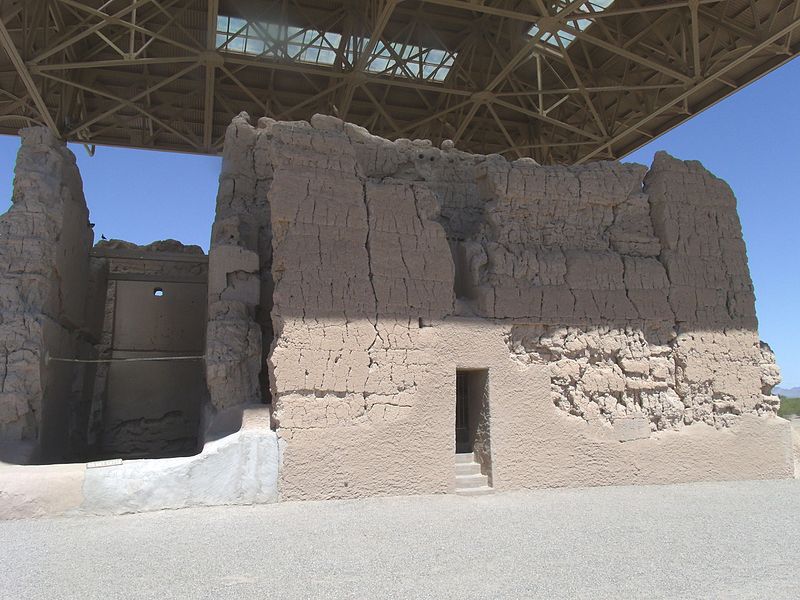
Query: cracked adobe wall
{"x": 637, "y": 287}
{"x": 357, "y": 262}
{"x": 44, "y": 249}
{"x": 611, "y": 305}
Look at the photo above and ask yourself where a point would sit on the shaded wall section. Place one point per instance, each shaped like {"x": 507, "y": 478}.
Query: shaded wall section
{"x": 44, "y": 250}
{"x": 155, "y": 307}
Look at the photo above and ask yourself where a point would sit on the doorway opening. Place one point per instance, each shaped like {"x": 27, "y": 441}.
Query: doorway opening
{"x": 472, "y": 410}
{"x": 473, "y": 444}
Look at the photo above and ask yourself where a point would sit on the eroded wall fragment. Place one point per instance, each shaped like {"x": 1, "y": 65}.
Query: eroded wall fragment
{"x": 44, "y": 256}
{"x": 239, "y": 279}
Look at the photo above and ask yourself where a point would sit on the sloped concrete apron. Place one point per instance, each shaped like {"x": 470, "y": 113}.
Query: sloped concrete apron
{"x": 241, "y": 468}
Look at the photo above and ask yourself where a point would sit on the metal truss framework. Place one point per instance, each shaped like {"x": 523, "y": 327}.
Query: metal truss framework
{"x": 561, "y": 81}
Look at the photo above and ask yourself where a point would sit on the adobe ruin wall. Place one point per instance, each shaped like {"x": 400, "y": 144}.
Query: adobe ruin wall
{"x": 612, "y": 305}
{"x": 64, "y": 304}
{"x": 608, "y": 306}
{"x": 153, "y": 408}
{"x": 45, "y": 240}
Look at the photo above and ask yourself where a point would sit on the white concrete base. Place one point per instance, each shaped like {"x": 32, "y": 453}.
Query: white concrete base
{"x": 240, "y": 468}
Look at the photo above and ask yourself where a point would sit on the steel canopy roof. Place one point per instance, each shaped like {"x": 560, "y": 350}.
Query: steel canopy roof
{"x": 558, "y": 80}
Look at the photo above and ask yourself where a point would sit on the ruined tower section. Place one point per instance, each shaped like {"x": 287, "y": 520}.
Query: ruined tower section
{"x": 45, "y": 240}
{"x": 239, "y": 279}
{"x": 722, "y": 368}
{"x": 601, "y": 309}
{"x": 356, "y": 262}
{"x": 630, "y": 286}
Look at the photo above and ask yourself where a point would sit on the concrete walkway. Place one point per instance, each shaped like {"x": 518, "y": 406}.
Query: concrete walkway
{"x": 718, "y": 540}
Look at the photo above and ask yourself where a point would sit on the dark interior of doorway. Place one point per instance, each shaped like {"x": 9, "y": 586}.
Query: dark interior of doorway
{"x": 471, "y": 409}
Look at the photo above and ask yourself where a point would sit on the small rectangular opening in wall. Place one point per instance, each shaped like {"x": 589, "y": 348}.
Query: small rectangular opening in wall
{"x": 473, "y": 440}
{"x": 471, "y": 409}
{"x": 462, "y": 417}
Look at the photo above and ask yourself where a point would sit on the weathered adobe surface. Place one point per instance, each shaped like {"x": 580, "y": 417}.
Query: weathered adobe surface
{"x": 657, "y": 318}
{"x": 239, "y": 278}
{"x": 44, "y": 250}
{"x": 628, "y": 287}
{"x": 150, "y": 422}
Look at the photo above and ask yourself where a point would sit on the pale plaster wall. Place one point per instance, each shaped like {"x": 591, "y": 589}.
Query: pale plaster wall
{"x": 241, "y": 468}
{"x": 28, "y": 491}
{"x": 611, "y": 304}
{"x": 535, "y": 444}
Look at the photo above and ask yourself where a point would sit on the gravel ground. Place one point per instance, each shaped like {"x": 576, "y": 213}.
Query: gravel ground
{"x": 717, "y": 540}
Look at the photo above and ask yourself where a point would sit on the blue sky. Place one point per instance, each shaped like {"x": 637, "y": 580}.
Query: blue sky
{"x": 750, "y": 140}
